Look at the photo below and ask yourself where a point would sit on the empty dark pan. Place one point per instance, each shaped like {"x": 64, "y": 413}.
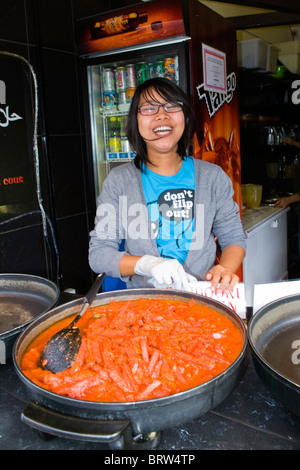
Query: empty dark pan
{"x": 22, "y": 299}
{"x": 274, "y": 338}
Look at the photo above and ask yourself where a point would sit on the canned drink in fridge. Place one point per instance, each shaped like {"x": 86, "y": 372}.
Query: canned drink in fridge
{"x": 159, "y": 68}
{"x": 120, "y": 79}
{"x": 130, "y": 76}
{"x": 176, "y": 69}
{"x": 151, "y": 67}
{"x": 110, "y": 98}
{"x": 122, "y": 97}
{"x": 108, "y": 79}
{"x": 129, "y": 94}
{"x": 169, "y": 68}
{"x": 125, "y": 146}
{"x": 142, "y": 72}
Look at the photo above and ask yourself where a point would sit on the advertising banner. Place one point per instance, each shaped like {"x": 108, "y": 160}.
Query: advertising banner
{"x": 17, "y": 183}
{"x": 138, "y": 24}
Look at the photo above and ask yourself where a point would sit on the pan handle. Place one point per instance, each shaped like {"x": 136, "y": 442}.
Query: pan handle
{"x": 116, "y": 434}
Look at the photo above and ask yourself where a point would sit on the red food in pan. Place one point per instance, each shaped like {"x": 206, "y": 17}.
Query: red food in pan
{"x": 140, "y": 349}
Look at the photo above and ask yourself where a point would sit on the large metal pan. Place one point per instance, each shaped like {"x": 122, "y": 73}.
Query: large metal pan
{"x": 23, "y": 297}
{"x": 113, "y": 422}
{"x": 274, "y": 338}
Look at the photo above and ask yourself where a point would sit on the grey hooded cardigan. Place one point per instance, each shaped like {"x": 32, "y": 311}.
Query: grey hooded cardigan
{"x": 122, "y": 215}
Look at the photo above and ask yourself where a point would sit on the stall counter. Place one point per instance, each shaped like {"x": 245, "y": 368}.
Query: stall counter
{"x": 249, "y": 419}
{"x": 266, "y": 256}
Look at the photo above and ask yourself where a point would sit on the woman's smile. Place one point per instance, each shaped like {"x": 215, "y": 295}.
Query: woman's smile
{"x": 161, "y": 131}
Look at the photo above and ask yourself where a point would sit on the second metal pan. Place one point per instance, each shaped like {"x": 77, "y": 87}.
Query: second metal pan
{"x": 22, "y": 299}
{"x": 274, "y": 337}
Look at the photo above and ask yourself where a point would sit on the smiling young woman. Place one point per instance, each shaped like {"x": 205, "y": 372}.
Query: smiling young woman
{"x": 161, "y": 125}
{"x": 166, "y": 206}
{"x": 153, "y": 95}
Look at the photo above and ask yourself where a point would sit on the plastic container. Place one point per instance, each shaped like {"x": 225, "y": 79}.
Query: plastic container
{"x": 252, "y": 54}
{"x": 251, "y": 195}
{"x": 271, "y": 61}
{"x": 289, "y": 55}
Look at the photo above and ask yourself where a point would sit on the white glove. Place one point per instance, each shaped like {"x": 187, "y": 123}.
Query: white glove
{"x": 163, "y": 272}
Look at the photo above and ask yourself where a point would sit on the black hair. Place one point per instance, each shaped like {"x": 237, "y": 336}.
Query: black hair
{"x": 170, "y": 92}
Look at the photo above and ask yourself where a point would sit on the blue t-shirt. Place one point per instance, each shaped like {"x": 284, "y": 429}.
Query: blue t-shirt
{"x": 170, "y": 202}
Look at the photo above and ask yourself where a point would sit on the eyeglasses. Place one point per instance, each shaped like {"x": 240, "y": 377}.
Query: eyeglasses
{"x": 151, "y": 109}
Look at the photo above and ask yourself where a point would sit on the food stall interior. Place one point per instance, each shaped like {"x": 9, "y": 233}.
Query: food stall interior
{"x": 251, "y": 418}
{"x": 267, "y": 117}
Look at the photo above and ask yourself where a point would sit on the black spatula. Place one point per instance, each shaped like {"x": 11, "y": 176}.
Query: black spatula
{"x": 61, "y": 350}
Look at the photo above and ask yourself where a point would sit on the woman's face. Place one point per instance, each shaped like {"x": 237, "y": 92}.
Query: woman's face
{"x": 162, "y": 131}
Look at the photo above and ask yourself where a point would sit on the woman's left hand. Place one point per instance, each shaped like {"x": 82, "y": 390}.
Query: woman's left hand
{"x": 223, "y": 276}
{"x": 224, "y": 272}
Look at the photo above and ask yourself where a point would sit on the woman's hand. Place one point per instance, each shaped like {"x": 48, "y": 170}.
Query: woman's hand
{"x": 286, "y": 201}
{"x": 219, "y": 274}
{"x": 283, "y": 202}
{"x": 163, "y": 272}
{"x": 224, "y": 273}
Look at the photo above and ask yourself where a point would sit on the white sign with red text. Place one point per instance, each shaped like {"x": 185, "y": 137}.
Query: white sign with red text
{"x": 214, "y": 69}
{"x": 235, "y": 300}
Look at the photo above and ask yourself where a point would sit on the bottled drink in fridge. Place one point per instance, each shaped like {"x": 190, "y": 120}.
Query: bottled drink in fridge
{"x": 114, "y": 137}
{"x": 124, "y": 141}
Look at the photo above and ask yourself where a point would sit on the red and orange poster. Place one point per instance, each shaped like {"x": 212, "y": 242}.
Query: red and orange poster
{"x": 138, "y": 24}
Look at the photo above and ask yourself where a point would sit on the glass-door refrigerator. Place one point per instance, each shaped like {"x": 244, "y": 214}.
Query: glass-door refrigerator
{"x": 111, "y": 84}
{"x": 181, "y": 40}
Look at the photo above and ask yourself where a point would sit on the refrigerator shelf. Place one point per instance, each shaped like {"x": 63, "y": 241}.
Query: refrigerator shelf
{"x": 114, "y": 110}
{"x": 120, "y": 156}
